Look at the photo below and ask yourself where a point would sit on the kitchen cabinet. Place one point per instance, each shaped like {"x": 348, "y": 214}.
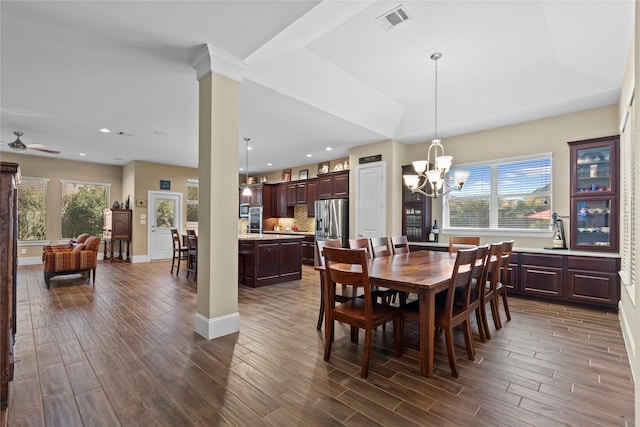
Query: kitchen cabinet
{"x": 542, "y": 275}
{"x": 593, "y": 281}
{"x": 261, "y": 195}
{"x": 292, "y": 194}
{"x": 281, "y": 204}
{"x": 308, "y": 250}
{"x": 416, "y": 212}
{"x": 333, "y": 185}
{"x": 594, "y": 181}
{"x": 301, "y": 193}
{"x": 266, "y": 261}
{"x": 311, "y": 197}
{"x": 9, "y": 175}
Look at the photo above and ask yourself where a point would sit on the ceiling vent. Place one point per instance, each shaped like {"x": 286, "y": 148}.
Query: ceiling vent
{"x": 393, "y": 18}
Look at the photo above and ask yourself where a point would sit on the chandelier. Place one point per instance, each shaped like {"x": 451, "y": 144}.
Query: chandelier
{"x": 247, "y": 190}
{"x": 431, "y": 179}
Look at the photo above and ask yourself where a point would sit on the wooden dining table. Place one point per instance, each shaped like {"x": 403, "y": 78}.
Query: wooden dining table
{"x": 424, "y": 273}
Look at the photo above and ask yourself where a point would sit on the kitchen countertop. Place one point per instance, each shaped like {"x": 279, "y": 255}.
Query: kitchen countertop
{"x": 533, "y": 250}
{"x": 291, "y": 232}
{"x": 270, "y": 236}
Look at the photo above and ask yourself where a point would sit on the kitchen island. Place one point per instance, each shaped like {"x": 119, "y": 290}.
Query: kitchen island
{"x": 267, "y": 259}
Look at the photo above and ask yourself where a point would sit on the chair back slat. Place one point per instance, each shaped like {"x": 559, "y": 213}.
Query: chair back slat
{"x": 460, "y": 242}
{"x": 348, "y": 267}
{"x": 380, "y": 246}
{"x": 321, "y": 244}
{"x": 399, "y": 244}
{"x": 362, "y": 244}
{"x": 460, "y": 278}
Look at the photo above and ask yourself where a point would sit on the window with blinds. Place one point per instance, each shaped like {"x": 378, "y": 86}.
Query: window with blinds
{"x": 630, "y": 176}
{"x": 512, "y": 194}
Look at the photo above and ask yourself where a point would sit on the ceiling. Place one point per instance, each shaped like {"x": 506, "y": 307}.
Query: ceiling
{"x": 321, "y": 73}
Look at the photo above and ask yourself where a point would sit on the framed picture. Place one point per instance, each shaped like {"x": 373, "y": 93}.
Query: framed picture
{"x": 286, "y": 175}
{"x": 304, "y": 174}
{"x": 165, "y": 185}
{"x": 323, "y": 167}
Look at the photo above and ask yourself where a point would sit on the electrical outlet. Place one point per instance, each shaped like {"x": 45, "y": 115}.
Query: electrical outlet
{"x": 23, "y": 251}
{"x": 143, "y": 221}
{"x": 143, "y": 216}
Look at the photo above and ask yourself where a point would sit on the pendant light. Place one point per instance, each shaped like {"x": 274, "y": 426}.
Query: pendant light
{"x": 247, "y": 190}
{"x": 434, "y": 175}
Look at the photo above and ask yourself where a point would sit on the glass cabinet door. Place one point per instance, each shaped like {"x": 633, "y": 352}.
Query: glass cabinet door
{"x": 414, "y": 222}
{"x": 593, "y": 170}
{"x": 594, "y": 226}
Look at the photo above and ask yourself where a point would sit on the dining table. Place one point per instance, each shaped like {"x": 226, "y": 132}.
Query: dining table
{"x": 424, "y": 273}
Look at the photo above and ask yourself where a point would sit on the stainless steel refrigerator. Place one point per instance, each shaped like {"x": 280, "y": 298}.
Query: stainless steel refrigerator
{"x": 332, "y": 220}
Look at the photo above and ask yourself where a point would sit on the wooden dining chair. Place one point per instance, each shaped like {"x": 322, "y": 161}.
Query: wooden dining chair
{"x": 179, "y": 253}
{"x": 461, "y": 242}
{"x": 380, "y": 246}
{"x": 478, "y": 281}
{"x": 349, "y": 267}
{"x": 361, "y": 243}
{"x": 501, "y": 288}
{"x": 449, "y": 315}
{"x": 339, "y": 297}
{"x": 491, "y": 280}
{"x": 399, "y": 244}
{"x": 192, "y": 254}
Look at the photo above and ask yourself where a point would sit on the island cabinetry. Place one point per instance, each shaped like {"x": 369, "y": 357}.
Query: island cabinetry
{"x": 308, "y": 250}
{"x": 593, "y": 280}
{"x": 266, "y": 261}
{"x": 333, "y": 185}
{"x": 541, "y": 275}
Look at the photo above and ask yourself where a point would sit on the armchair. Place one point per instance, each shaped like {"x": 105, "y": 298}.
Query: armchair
{"x": 83, "y": 258}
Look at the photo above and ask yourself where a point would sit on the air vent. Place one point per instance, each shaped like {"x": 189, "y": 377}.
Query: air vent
{"x": 393, "y": 18}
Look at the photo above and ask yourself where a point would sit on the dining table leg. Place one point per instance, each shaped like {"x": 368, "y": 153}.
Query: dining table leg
{"x": 426, "y": 300}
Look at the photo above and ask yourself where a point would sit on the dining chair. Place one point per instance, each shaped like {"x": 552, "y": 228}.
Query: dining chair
{"x": 192, "y": 253}
{"x": 449, "y": 315}
{"x": 460, "y": 242}
{"x": 349, "y": 267}
{"x": 399, "y": 244}
{"x": 478, "y": 283}
{"x": 361, "y": 243}
{"x": 179, "y": 253}
{"x": 381, "y": 246}
{"x": 490, "y": 294}
{"x": 341, "y": 297}
{"x": 501, "y": 289}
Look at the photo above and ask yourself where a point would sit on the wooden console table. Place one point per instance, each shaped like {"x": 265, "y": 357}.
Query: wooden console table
{"x": 117, "y": 227}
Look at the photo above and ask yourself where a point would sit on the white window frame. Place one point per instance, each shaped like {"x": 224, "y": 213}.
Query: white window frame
{"x": 45, "y": 241}
{"x": 630, "y": 204}
{"x": 192, "y": 183}
{"x": 493, "y": 228}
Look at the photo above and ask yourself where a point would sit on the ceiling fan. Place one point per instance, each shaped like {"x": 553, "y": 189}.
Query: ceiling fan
{"x": 18, "y": 145}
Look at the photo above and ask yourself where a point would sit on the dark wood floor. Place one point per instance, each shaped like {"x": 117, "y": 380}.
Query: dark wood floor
{"x": 124, "y": 353}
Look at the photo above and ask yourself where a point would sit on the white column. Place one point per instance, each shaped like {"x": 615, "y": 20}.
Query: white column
{"x": 219, "y": 75}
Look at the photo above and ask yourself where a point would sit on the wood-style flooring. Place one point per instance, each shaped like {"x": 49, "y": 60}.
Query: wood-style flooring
{"x": 124, "y": 353}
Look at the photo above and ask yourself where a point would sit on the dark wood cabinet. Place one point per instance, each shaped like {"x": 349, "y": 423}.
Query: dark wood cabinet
{"x": 333, "y": 185}
{"x": 416, "y": 212}
{"x": 593, "y": 280}
{"x": 541, "y": 275}
{"x": 308, "y": 250}
{"x": 117, "y": 227}
{"x": 263, "y": 262}
{"x": 261, "y": 195}
{"x": 282, "y": 209}
{"x": 594, "y": 181}
{"x": 301, "y": 193}
{"x": 312, "y": 184}
{"x": 9, "y": 175}
{"x": 292, "y": 194}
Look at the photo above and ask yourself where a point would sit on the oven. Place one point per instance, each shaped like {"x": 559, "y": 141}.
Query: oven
{"x": 244, "y": 210}
{"x": 255, "y": 219}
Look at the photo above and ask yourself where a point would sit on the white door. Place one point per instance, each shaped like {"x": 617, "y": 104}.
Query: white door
{"x": 164, "y": 212}
{"x": 371, "y": 201}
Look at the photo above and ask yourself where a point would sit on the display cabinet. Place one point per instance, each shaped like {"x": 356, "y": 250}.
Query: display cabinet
{"x": 594, "y": 194}
{"x": 416, "y": 212}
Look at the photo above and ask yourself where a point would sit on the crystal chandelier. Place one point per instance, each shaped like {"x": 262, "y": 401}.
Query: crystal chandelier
{"x": 431, "y": 180}
{"x": 247, "y": 190}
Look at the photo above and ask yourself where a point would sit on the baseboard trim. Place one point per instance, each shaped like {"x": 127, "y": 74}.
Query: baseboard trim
{"x": 30, "y": 260}
{"x": 629, "y": 342}
{"x": 217, "y": 327}
{"x": 139, "y": 258}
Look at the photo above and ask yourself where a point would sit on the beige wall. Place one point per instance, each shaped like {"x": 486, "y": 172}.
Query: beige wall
{"x": 147, "y": 176}
{"x": 540, "y": 136}
{"x": 276, "y": 176}
{"x": 56, "y": 170}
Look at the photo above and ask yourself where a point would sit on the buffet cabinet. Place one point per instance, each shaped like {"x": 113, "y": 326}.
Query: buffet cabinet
{"x": 117, "y": 227}
{"x": 9, "y": 175}
{"x": 594, "y": 179}
{"x": 416, "y": 212}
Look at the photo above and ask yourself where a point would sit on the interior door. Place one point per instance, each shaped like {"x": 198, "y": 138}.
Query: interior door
{"x": 371, "y": 203}
{"x": 164, "y": 212}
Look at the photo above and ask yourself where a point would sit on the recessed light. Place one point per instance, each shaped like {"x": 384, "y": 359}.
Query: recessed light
{"x": 241, "y": 169}
{"x": 269, "y": 164}
{"x": 105, "y": 130}
{"x": 249, "y": 148}
{"x": 309, "y": 155}
{"x": 328, "y": 148}
{"x": 82, "y": 154}
{"x": 118, "y": 159}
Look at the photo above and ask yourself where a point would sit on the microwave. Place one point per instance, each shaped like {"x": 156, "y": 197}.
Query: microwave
{"x": 244, "y": 210}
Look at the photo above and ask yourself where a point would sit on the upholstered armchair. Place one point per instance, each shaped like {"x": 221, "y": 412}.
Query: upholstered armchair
{"x": 81, "y": 258}
{"x": 69, "y": 246}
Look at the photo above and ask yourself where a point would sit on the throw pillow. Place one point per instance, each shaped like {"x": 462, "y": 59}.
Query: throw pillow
{"x": 79, "y": 247}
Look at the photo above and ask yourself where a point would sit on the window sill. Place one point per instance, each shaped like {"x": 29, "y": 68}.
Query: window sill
{"x": 34, "y": 242}
{"x": 497, "y": 232}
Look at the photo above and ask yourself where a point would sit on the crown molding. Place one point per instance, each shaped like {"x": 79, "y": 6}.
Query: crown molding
{"x": 213, "y": 60}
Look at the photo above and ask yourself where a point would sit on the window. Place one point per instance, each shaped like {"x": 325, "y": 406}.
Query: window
{"x": 513, "y": 194}
{"x": 630, "y": 179}
{"x": 82, "y": 208}
{"x": 32, "y": 209}
{"x": 192, "y": 202}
